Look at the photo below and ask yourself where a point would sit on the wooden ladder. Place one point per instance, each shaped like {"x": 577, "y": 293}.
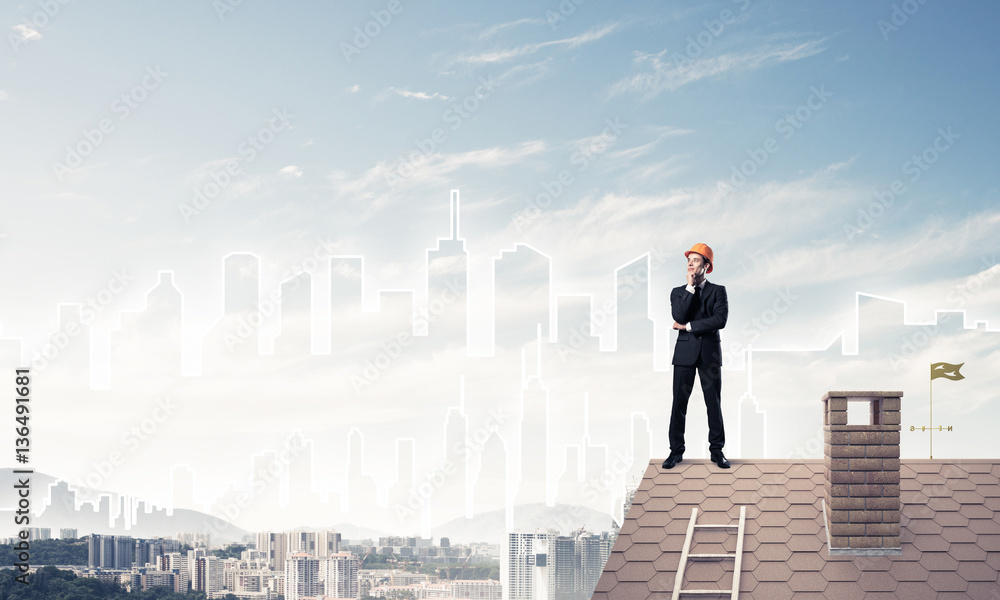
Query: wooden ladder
{"x": 686, "y": 554}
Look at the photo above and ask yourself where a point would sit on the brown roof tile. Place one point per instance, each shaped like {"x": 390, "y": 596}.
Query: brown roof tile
{"x": 748, "y": 471}
{"x": 875, "y": 581}
{"x": 908, "y": 571}
{"x": 844, "y": 590}
{"x": 642, "y": 553}
{"x": 989, "y": 542}
{"x": 630, "y": 590}
{"x": 804, "y": 527}
{"x": 915, "y": 590}
{"x": 636, "y": 571}
{"x": 981, "y": 589}
{"x": 958, "y": 534}
{"x": 938, "y": 561}
{"x": 774, "y": 503}
{"x": 805, "y": 581}
{"x": 930, "y": 543}
{"x": 950, "y": 534}
{"x": 984, "y": 526}
{"x": 967, "y": 552}
{"x": 977, "y": 571}
{"x": 772, "y": 571}
{"x": 975, "y": 511}
{"x": 947, "y": 581}
{"x": 703, "y": 572}
{"x": 778, "y": 590}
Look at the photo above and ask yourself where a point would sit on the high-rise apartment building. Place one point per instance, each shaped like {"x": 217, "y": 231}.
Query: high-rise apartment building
{"x": 339, "y": 573}
{"x": 302, "y": 576}
{"x": 525, "y": 568}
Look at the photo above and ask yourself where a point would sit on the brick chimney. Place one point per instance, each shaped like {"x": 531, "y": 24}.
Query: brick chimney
{"x": 862, "y": 474}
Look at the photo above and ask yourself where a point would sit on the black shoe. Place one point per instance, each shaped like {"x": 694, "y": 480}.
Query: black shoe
{"x": 720, "y": 459}
{"x": 673, "y": 459}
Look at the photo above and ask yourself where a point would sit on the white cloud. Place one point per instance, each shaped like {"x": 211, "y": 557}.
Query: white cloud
{"x": 3, "y": 95}
{"x": 26, "y": 32}
{"x": 372, "y": 187}
{"x": 291, "y": 171}
{"x": 354, "y": 89}
{"x": 495, "y": 29}
{"x": 403, "y": 93}
{"x": 496, "y": 56}
{"x": 667, "y": 73}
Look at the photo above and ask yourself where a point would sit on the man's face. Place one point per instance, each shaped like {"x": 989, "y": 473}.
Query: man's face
{"x": 695, "y": 262}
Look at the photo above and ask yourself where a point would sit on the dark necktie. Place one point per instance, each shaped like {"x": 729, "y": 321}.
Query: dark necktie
{"x": 695, "y": 304}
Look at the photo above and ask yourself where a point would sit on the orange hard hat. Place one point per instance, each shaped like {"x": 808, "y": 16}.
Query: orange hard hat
{"x": 705, "y": 251}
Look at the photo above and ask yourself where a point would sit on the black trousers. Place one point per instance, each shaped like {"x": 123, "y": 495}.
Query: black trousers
{"x": 711, "y": 387}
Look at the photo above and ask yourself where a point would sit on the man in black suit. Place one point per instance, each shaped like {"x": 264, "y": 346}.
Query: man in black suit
{"x": 700, "y": 310}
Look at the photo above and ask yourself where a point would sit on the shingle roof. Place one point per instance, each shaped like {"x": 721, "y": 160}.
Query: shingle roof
{"x": 949, "y": 517}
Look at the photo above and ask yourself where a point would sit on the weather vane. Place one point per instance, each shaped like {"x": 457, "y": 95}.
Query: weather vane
{"x": 948, "y": 371}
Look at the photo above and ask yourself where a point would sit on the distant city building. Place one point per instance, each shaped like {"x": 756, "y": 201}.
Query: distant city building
{"x": 300, "y": 541}
{"x": 339, "y": 575}
{"x": 177, "y": 563}
{"x": 208, "y": 575}
{"x": 566, "y": 563}
{"x": 301, "y": 576}
{"x": 476, "y": 589}
{"x": 525, "y": 569}
{"x": 195, "y": 540}
{"x": 327, "y": 543}
{"x": 594, "y": 553}
{"x": 110, "y": 551}
{"x": 39, "y": 533}
{"x": 151, "y": 579}
{"x": 192, "y": 562}
{"x": 275, "y": 545}
{"x": 67, "y": 534}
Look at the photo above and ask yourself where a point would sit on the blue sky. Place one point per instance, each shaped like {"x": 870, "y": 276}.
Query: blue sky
{"x": 596, "y": 136}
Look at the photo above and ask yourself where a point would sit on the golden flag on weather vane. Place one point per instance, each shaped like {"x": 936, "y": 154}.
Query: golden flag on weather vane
{"x": 946, "y": 370}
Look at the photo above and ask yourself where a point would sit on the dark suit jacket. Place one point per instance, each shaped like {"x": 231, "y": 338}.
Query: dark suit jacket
{"x": 706, "y": 320}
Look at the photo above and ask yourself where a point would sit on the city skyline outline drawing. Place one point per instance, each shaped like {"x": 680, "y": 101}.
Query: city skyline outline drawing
{"x": 332, "y": 402}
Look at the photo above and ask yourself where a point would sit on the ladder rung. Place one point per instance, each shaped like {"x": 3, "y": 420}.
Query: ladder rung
{"x": 686, "y": 556}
